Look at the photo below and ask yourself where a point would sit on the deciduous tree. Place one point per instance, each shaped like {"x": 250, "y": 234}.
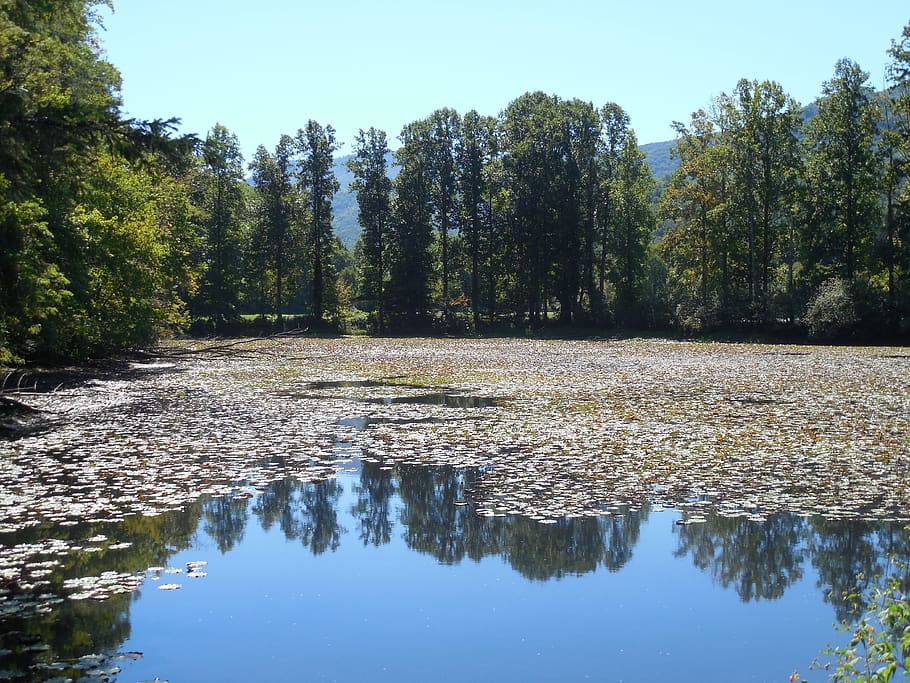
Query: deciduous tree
{"x": 842, "y": 175}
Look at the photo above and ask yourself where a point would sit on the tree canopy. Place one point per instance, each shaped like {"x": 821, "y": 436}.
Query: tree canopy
{"x": 114, "y": 231}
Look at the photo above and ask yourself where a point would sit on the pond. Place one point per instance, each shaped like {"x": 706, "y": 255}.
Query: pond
{"x": 423, "y": 509}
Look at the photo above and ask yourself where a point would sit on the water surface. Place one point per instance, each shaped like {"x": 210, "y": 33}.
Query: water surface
{"x": 452, "y": 509}
{"x": 388, "y": 573}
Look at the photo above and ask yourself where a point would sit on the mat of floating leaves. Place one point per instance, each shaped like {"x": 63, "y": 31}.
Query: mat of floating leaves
{"x": 558, "y": 428}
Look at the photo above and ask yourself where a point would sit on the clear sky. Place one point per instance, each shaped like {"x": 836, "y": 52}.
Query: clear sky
{"x": 265, "y": 67}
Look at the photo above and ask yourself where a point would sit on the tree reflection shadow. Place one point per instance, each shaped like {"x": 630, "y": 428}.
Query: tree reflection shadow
{"x": 436, "y": 522}
{"x": 73, "y": 628}
{"x": 758, "y": 559}
{"x": 852, "y": 555}
{"x": 761, "y": 559}
{"x": 430, "y": 509}
{"x": 304, "y": 511}
{"x": 374, "y": 501}
{"x": 225, "y": 520}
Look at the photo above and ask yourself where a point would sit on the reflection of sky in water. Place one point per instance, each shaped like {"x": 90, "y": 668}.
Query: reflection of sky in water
{"x": 270, "y": 610}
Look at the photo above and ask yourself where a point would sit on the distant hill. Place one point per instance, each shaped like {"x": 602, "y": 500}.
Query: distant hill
{"x": 344, "y": 206}
{"x": 658, "y": 157}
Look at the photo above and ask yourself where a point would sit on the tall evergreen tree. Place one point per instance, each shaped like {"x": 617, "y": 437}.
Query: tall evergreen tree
{"x": 475, "y": 151}
{"x": 275, "y": 236}
{"x": 697, "y": 199}
{"x": 410, "y": 262}
{"x": 576, "y": 189}
{"x": 373, "y": 189}
{"x": 317, "y": 177}
{"x": 633, "y": 224}
{"x": 444, "y": 128}
{"x": 497, "y": 251}
{"x": 222, "y": 200}
{"x": 587, "y": 148}
{"x": 842, "y": 175}
{"x": 762, "y": 134}
{"x": 896, "y": 152}
{"x": 534, "y": 145}
{"x": 614, "y": 137}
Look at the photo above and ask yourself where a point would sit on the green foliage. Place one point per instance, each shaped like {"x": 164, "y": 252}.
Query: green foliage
{"x": 633, "y": 224}
{"x": 732, "y": 199}
{"x": 33, "y": 289}
{"x": 694, "y": 249}
{"x": 374, "y": 199}
{"x": 654, "y": 292}
{"x": 879, "y": 647}
{"x": 316, "y": 181}
{"x": 841, "y": 175}
{"x": 220, "y": 198}
{"x": 136, "y": 240}
{"x": 831, "y": 313}
{"x": 475, "y": 150}
{"x": 895, "y": 152}
{"x": 544, "y": 212}
{"x": 444, "y": 129}
{"x": 762, "y": 126}
{"x": 273, "y": 262}
{"x": 410, "y": 264}
{"x": 87, "y": 211}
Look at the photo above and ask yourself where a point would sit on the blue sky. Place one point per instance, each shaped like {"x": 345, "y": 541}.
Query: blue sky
{"x": 264, "y": 68}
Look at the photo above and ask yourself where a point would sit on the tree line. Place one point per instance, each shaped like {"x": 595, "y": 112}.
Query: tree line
{"x": 114, "y": 231}
{"x": 779, "y": 216}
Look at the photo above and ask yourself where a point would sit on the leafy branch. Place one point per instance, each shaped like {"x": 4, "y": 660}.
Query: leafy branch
{"x": 879, "y": 648}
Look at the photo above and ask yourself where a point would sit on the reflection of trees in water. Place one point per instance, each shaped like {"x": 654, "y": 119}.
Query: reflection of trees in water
{"x": 572, "y": 545}
{"x": 621, "y": 534}
{"x": 435, "y": 524}
{"x": 758, "y": 559}
{"x": 373, "y": 506}
{"x": 225, "y": 520}
{"x": 306, "y": 512}
{"x": 73, "y": 629}
{"x": 851, "y": 555}
{"x": 543, "y": 551}
{"x": 762, "y": 559}
{"x": 76, "y": 627}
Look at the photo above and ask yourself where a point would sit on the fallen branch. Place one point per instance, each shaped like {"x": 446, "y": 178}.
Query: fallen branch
{"x": 11, "y": 404}
{"x": 18, "y": 419}
{"x": 223, "y": 350}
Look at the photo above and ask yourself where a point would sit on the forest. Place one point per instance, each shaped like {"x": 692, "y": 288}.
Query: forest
{"x": 781, "y": 220}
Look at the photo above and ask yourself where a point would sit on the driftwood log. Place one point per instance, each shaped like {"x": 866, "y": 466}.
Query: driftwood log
{"x": 18, "y": 418}
{"x": 217, "y": 348}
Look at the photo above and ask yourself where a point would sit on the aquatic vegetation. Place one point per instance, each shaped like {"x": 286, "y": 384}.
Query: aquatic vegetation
{"x": 554, "y": 428}
{"x": 748, "y": 429}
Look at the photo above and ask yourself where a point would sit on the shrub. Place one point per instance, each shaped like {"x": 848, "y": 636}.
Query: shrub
{"x": 831, "y": 313}
{"x": 879, "y": 648}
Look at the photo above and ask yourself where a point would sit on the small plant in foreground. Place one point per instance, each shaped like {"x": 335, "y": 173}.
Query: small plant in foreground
{"x": 879, "y": 649}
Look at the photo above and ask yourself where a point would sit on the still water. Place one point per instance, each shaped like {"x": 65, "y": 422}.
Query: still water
{"x": 387, "y": 573}
{"x": 452, "y": 510}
